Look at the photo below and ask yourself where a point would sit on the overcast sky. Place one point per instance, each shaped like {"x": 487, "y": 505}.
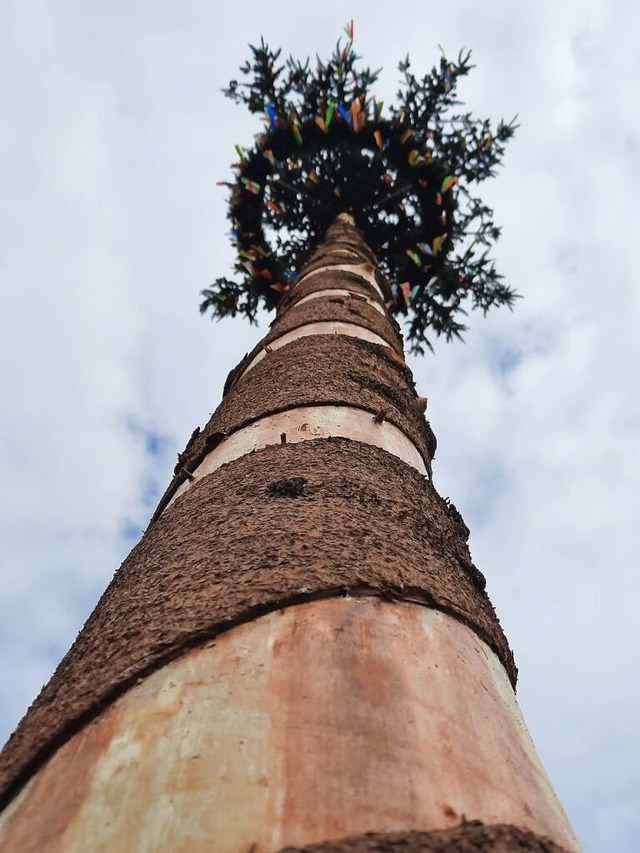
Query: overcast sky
{"x": 113, "y": 133}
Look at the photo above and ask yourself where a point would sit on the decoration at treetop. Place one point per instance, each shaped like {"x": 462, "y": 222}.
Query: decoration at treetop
{"x": 326, "y": 148}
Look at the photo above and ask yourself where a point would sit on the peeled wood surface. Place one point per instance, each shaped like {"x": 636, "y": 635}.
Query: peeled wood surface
{"x": 330, "y": 260}
{"x": 323, "y": 327}
{"x": 346, "y": 294}
{"x": 288, "y": 522}
{"x": 317, "y": 370}
{"x": 342, "y": 308}
{"x": 347, "y": 242}
{"x": 311, "y": 723}
{"x": 324, "y": 281}
{"x": 324, "y": 369}
{"x": 331, "y": 279}
{"x": 306, "y": 424}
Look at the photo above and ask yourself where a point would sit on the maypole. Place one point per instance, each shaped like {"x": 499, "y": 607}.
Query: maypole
{"x": 300, "y": 650}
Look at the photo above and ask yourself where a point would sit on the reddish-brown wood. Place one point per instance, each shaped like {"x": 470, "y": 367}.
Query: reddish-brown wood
{"x": 321, "y": 721}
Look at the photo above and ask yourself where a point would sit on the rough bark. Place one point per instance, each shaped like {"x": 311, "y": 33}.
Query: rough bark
{"x": 472, "y": 837}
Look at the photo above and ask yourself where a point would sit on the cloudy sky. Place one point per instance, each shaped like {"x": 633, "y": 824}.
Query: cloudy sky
{"x": 113, "y": 133}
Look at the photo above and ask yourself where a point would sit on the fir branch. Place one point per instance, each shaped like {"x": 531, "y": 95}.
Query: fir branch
{"x": 406, "y": 179}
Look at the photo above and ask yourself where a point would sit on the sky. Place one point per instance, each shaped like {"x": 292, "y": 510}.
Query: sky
{"x": 113, "y": 133}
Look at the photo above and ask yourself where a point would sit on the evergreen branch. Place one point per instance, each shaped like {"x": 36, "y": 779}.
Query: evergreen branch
{"x": 406, "y": 179}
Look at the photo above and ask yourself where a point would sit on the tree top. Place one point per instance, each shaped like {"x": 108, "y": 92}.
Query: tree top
{"x": 405, "y": 171}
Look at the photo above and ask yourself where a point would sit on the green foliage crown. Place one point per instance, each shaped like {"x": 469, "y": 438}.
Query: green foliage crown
{"x": 403, "y": 171}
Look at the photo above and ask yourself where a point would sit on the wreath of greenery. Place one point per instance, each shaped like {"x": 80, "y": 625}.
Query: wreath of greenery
{"x": 326, "y": 149}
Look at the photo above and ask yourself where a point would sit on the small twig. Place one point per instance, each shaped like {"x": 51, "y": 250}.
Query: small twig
{"x": 303, "y": 192}
{"x": 382, "y": 414}
{"x": 387, "y": 198}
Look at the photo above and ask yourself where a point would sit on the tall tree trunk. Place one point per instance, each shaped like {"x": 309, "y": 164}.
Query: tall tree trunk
{"x": 300, "y": 648}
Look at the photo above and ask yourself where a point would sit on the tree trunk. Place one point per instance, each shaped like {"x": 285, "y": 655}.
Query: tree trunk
{"x": 300, "y": 649}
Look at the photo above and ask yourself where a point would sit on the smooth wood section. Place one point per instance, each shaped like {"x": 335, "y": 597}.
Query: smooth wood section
{"x": 327, "y": 719}
{"x": 363, "y": 270}
{"x": 324, "y": 327}
{"x": 318, "y": 294}
{"x": 308, "y": 423}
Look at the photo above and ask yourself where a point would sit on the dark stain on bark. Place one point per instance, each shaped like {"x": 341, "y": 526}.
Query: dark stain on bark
{"x": 291, "y": 487}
